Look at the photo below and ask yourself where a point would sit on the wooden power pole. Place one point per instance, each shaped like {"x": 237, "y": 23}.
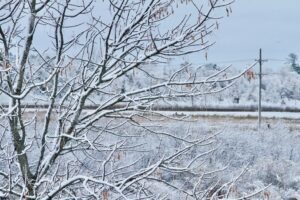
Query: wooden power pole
{"x": 259, "y": 95}
{"x": 260, "y": 61}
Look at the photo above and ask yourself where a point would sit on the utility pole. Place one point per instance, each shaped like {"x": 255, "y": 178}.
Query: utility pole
{"x": 259, "y": 95}
{"x": 260, "y": 61}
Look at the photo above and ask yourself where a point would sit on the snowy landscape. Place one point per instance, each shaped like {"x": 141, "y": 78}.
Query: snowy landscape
{"x": 280, "y": 89}
{"x": 126, "y": 104}
{"x": 269, "y": 161}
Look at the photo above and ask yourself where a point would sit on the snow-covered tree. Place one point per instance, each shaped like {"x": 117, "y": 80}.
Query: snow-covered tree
{"x": 72, "y": 55}
{"x": 292, "y": 61}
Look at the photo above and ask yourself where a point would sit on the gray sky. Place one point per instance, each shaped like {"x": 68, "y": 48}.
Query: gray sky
{"x": 273, "y": 25}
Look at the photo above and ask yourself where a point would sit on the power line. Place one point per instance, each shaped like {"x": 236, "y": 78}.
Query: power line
{"x": 212, "y": 62}
{"x": 235, "y": 61}
{"x": 221, "y": 62}
{"x": 276, "y": 60}
{"x": 266, "y": 74}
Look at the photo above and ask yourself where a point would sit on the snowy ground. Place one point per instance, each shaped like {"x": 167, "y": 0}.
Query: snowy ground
{"x": 272, "y": 153}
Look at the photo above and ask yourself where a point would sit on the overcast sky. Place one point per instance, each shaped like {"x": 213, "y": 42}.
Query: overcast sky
{"x": 273, "y": 25}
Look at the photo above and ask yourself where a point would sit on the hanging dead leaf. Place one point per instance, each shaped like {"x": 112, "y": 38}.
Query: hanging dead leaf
{"x": 105, "y": 195}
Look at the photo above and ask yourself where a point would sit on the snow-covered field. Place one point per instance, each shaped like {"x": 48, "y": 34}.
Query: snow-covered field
{"x": 272, "y": 153}
{"x": 267, "y": 158}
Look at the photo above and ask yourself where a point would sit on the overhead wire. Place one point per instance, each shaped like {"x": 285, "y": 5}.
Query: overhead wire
{"x": 231, "y": 61}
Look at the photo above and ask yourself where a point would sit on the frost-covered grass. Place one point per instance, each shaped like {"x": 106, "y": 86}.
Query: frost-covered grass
{"x": 269, "y": 154}
{"x": 269, "y": 157}
{"x": 272, "y": 153}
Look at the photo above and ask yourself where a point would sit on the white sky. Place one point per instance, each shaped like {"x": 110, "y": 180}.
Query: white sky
{"x": 273, "y": 25}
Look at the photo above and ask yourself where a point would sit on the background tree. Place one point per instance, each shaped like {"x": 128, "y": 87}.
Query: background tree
{"x": 71, "y": 55}
{"x": 292, "y": 61}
